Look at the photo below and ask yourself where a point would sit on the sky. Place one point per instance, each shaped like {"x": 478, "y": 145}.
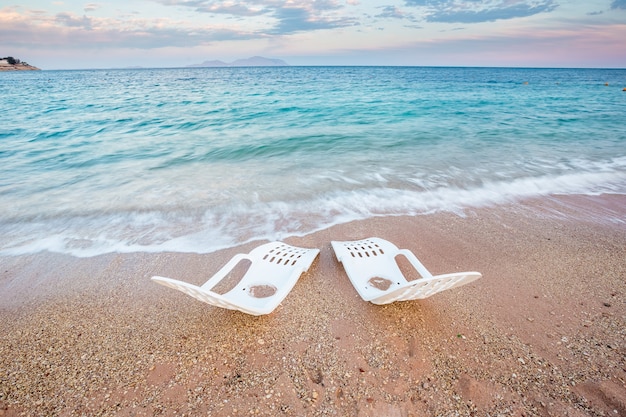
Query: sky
{"x": 69, "y": 34}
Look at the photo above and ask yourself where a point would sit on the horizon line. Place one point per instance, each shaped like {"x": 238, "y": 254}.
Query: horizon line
{"x": 194, "y": 66}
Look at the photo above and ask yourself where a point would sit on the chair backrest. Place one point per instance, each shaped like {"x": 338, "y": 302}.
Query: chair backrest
{"x": 274, "y": 270}
{"x": 281, "y": 255}
{"x": 371, "y": 265}
{"x": 276, "y": 263}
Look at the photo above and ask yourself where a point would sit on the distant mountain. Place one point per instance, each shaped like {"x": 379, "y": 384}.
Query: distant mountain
{"x": 255, "y": 61}
{"x": 214, "y": 63}
{"x": 259, "y": 61}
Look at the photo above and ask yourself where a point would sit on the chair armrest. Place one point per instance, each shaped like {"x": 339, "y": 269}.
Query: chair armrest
{"x": 219, "y": 275}
{"x": 416, "y": 263}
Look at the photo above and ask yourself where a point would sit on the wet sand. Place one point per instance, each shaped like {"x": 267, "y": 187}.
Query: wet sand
{"x": 543, "y": 333}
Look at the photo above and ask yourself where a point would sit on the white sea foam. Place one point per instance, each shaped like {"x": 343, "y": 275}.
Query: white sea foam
{"x": 228, "y": 226}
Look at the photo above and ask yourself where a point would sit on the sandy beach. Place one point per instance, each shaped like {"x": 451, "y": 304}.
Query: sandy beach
{"x": 543, "y": 333}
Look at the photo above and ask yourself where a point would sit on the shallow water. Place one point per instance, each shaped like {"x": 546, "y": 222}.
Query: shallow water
{"x": 198, "y": 159}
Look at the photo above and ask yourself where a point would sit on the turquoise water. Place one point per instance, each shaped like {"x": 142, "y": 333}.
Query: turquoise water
{"x": 193, "y": 160}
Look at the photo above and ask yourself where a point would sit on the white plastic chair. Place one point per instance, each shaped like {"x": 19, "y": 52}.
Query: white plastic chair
{"x": 372, "y": 268}
{"x": 274, "y": 270}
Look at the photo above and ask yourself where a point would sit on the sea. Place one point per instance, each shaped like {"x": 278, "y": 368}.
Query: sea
{"x": 200, "y": 159}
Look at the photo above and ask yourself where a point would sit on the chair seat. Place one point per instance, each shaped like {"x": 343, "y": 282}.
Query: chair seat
{"x": 373, "y": 270}
{"x": 274, "y": 270}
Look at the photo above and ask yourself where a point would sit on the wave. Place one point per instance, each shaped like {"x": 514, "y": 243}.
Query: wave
{"x": 208, "y": 230}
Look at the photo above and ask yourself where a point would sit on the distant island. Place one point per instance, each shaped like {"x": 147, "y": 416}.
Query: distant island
{"x": 11, "y": 64}
{"x": 255, "y": 61}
